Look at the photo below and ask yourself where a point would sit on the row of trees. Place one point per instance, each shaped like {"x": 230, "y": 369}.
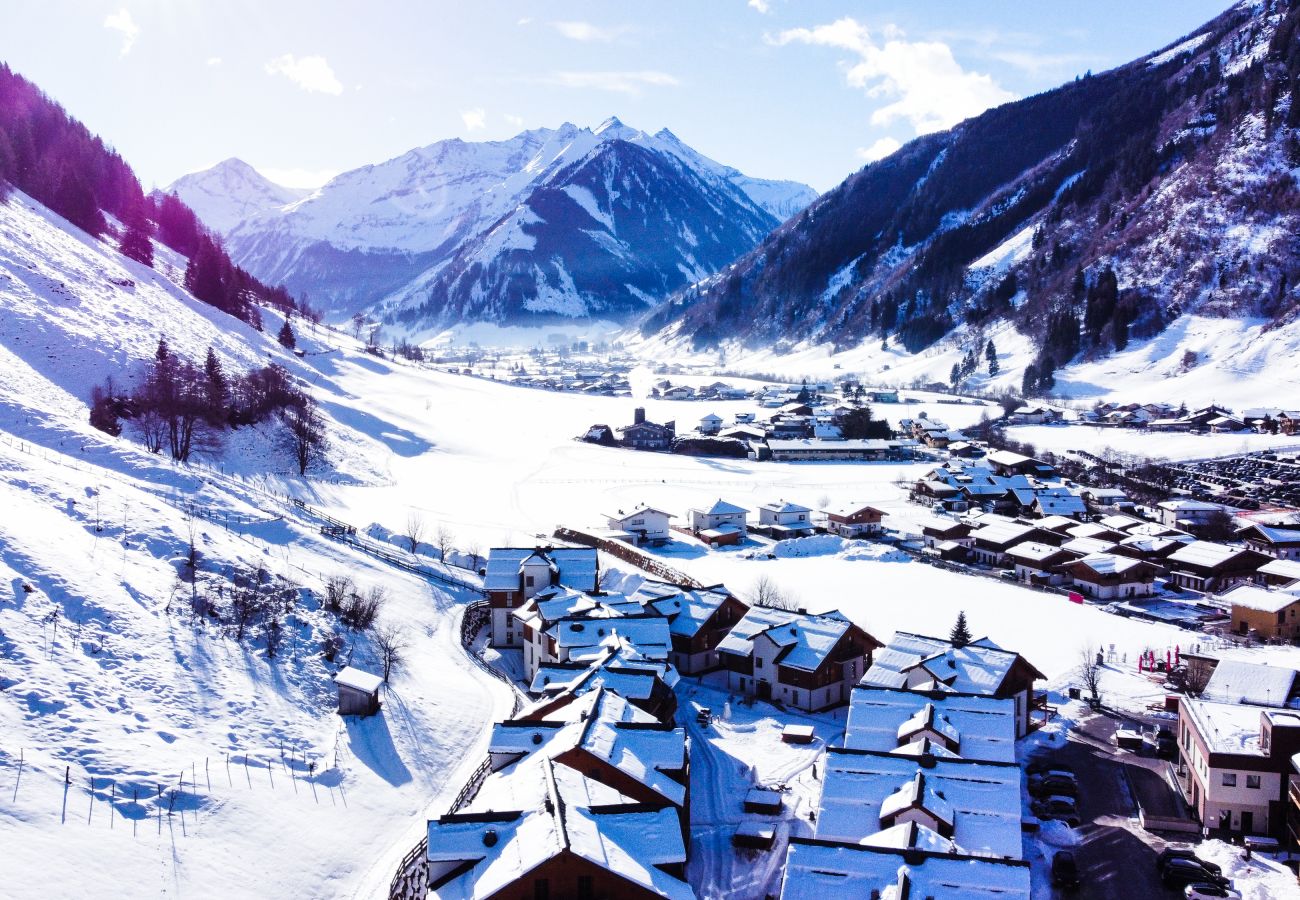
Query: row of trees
{"x": 56, "y": 160}
{"x": 182, "y": 408}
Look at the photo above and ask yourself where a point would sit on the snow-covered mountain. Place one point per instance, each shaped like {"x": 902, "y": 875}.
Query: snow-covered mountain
{"x": 231, "y": 192}
{"x": 382, "y": 234}
{"x": 1087, "y": 216}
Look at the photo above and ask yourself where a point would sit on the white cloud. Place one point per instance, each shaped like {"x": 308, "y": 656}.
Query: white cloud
{"x": 761, "y": 6}
{"x": 615, "y": 82}
{"x": 878, "y": 150}
{"x": 514, "y": 121}
{"x": 121, "y": 21}
{"x": 922, "y": 80}
{"x": 474, "y": 119}
{"x": 214, "y": 60}
{"x": 299, "y": 178}
{"x": 585, "y": 31}
{"x": 311, "y": 73}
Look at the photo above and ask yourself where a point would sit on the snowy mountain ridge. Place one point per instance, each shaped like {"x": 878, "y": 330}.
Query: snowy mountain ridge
{"x": 378, "y": 235}
{"x": 231, "y": 192}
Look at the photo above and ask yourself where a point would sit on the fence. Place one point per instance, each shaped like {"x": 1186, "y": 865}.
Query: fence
{"x": 628, "y": 554}
{"x": 477, "y": 615}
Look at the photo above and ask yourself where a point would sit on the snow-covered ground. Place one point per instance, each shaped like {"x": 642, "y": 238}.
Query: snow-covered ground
{"x": 134, "y": 696}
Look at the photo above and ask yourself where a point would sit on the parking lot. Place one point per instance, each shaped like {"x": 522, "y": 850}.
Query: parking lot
{"x": 1116, "y": 859}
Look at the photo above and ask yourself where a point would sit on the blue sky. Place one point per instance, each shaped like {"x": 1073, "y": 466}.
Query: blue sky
{"x": 303, "y": 89}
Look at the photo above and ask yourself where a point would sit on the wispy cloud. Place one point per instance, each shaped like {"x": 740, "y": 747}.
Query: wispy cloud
{"x": 311, "y": 73}
{"x": 762, "y": 6}
{"x": 878, "y": 150}
{"x": 214, "y": 60}
{"x": 474, "y": 119}
{"x": 614, "y": 82}
{"x": 514, "y": 121}
{"x": 587, "y": 32}
{"x": 922, "y": 80}
{"x": 122, "y": 22}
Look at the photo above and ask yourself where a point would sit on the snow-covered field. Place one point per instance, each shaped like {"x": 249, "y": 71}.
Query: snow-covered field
{"x": 274, "y": 797}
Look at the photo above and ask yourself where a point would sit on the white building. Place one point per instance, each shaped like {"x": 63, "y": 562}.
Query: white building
{"x": 643, "y": 525}
{"x": 722, "y": 518}
{"x": 784, "y": 519}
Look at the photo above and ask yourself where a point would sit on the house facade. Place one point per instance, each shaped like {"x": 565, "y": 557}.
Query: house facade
{"x": 1265, "y": 612}
{"x": 783, "y": 519}
{"x": 1210, "y": 567}
{"x": 515, "y": 574}
{"x": 1107, "y": 576}
{"x": 644, "y": 525}
{"x": 721, "y": 523}
{"x": 1279, "y": 543}
{"x": 854, "y": 520}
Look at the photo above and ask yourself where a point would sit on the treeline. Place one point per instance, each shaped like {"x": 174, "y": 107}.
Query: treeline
{"x": 55, "y": 159}
{"x": 182, "y": 407}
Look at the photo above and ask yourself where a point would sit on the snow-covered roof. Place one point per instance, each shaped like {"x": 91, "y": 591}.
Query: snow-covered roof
{"x": 828, "y": 871}
{"x": 1109, "y": 563}
{"x": 918, "y": 661}
{"x": 723, "y": 508}
{"x": 1188, "y": 506}
{"x": 1206, "y": 554}
{"x": 862, "y": 790}
{"x": 785, "y": 506}
{"x": 1033, "y": 552}
{"x": 1119, "y": 522}
{"x": 1272, "y": 535}
{"x": 862, "y": 444}
{"x": 639, "y": 511}
{"x": 1086, "y": 546}
{"x": 1268, "y": 600}
{"x": 805, "y": 639}
{"x": 1002, "y": 532}
{"x": 358, "y": 680}
{"x": 687, "y": 610}
{"x": 1007, "y": 458}
{"x": 851, "y": 509}
{"x": 576, "y": 566}
{"x": 1281, "y": 568}
{"x": 1226, "y": 727}
{"x": 1238, "y": 681}
{"x": 1060, "y": 504}
{"x": 985, "y": 726}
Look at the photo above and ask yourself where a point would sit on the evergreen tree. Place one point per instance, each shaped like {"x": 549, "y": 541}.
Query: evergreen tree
{"x": 960, "y": 635}
{"x": 991, "y": 354}
{"x": 135, "y": 243}
{"x": 286, "y": 336}
{"x": 216, "y": 390}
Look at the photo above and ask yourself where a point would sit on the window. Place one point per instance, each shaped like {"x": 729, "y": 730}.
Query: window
{"x": 758, "y": 662}
{"x": 541, "y": 889}
{"x": 528, "y": 580}
{"x": 1252, "y": 781}
{"x": 794, "y": 697}
{"x": 1229, "y": 779}
{"x": 584, "y": 887}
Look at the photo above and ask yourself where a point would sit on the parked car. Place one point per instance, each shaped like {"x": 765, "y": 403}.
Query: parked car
{"x": 1065, "y": 870}
{"x": 1182, "y": 851}
{"x": 1210, "y": 892}
{"x": 1181, "y": 872}
{"x": 1041, "y": 765}
{"x": 1061, "y": 809}
{"x": 1053, "y": 783}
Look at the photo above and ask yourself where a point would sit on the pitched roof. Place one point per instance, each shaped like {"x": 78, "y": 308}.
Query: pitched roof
{"x": 820, "y": 870}
{"x": 722, "y": 507}
{"x": 358, "y": 680}
{"x": 985, "y": 726}
{"x": 980, "y": 667}
{"x": 1238, "y": 681}
{"x": 806, "y": 639}
{"x": 577, "y": 566}
{"x": 1263, "y": 599}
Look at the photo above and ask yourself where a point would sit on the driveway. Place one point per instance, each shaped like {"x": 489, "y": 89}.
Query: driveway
{"x": 1116, "y": 858}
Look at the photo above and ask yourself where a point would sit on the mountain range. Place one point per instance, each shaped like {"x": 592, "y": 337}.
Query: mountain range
{"x": 552, "y": 223}
{"x": 1087, "y": 215}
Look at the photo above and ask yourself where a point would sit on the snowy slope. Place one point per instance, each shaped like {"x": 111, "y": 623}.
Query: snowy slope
{"x": 231, "y": 192}
{"x": 382, "y": 231}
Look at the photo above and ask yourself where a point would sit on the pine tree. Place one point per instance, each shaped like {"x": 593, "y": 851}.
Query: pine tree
{"x": 135, "y": 243}
{"x": 991, "y": 354}
{"x": 960, "y": 635}
{"x": 216, "y": 389}
{"x": 286, "y": 336}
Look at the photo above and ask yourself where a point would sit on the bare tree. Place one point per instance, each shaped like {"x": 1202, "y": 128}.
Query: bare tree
{"x": 338, "y": 588}
{"x": 393, "y": 642}
{"x": 767, "y": 593}
{"x": 304, "y": 434}
{"x": 475, "y": 554}
{"x": 1089, "y": 673}
{"x": 274, "y": 633}
{"x": 361, "y": 610}
{"x": 1197, "y": 679}
{"x": 415, "y": 529}
{"x": 445, "y": 541}
{"x": 358, "y": 321}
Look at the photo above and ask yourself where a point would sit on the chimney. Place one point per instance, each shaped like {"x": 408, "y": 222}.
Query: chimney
{"x": 638, "y": 415}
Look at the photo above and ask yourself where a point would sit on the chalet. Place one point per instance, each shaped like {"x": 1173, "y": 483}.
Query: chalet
{"x": 1267, "y": 612}
{"x": 721, "y": 523}
{"x": 882, "y": 396}
{"x": 1279, "y": 573}
{"x": 1058, "y": 502}
{"x": 975, "y": 804}
{"x": 1004, "y": 462}
{"x": 513, "y": 575}
{"x": 791, "y": 428}
{"x": 890, "y": 720}
{"x": 698, "y": 620}
{"x": 1225, "y": 425}
{"x": 643, "y": 525}
{"x": 783, "y": 519}
{"x": 600, "y": 434}
{"x": 1106, "y": 576}
{"x": 1033, "y": 415}
{"x": 990, "y": 543}
{"x": 1152, "y": 549}
{"x": 1039, "y": 563}
{"x": 559, "y": 624}
{"x": 643, "y": 435}
{"x": 678, "y": 392}
{"x": 1078, "y": 547}
{"x": 1279, "y": 543}
{"x": 854, "y": 520}
{"x": 358, "y": 692}
{"x": 1105, "y": 500}
{"x": 910, "y": 861}
{"x": 1288, "y": 422}
{"x": 1209, "y": 567}
{"x": 710, "y": 424}
{"x": 917, "y": 662}
{"x": 809, "y": 662}
{"x": 620, "y": 669}
{"x": 1188, "y": 515}
{"x": 1096, "y": 531}
{"x": 1233, "y": 764}
{"x": 591, "y": 802}
{"x": 1238, "y": 681}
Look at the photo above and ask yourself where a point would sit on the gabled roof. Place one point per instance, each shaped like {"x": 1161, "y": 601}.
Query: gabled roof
{"x": 1110, "y": 564}
{"x": 824, "y": 870}
{"x": 1206, "y": 554}
{"x": 1282, "y": 568}
{"x": 639, "y": 511}
{"x": 785, "y": 506}
{"x": 1031, "y": 552}
{"x": 1237, "y": 681}
{"x": 722, "y": 508}
{"x": 687, "y": 610}
{"x": 1263, "y": 599}
{"x": 805, "y": 639}
{"x": 576, "y": 566}
{"x": 879, "y": 719}
{"x": 980, "y": 667}
{"x": 358, "y": 680}
{"x": 1270, "y": 535}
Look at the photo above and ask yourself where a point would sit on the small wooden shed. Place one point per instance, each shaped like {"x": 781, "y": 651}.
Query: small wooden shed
{"x": 797, "y": 734}
{"x": 759, "y": 800}
{"x": 358, "y": 692}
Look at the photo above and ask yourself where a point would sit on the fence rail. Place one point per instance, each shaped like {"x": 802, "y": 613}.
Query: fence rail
{"x": 628, "y": 554}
